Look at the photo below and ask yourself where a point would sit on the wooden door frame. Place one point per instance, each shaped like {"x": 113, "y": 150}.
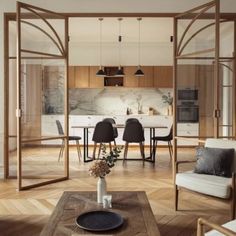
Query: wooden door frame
{"x": 177, "y": 55}
{"x": 11, "y": 16}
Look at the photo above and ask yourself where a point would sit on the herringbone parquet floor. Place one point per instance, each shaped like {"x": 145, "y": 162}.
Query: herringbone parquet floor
{"x": 25, "y": 213}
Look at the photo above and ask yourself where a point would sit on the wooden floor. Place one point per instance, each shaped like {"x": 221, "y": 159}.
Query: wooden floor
{"x": 25, "y": 213}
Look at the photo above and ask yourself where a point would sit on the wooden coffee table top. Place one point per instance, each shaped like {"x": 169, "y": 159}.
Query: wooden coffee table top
{"x": 132, "y": 206}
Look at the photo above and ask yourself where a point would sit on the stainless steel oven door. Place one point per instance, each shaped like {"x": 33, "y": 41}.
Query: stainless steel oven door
{"x": 188, "y": 114}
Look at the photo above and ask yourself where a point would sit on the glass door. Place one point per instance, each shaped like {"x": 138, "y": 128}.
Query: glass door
{"x": 204, "y": 46}
{"x": 42, "y": 71}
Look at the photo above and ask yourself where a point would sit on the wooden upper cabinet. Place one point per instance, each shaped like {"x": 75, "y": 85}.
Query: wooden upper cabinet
{"x": 130, "y": 80}
{"x": 187, "y": 76}
{"x": 163, "y": 76}
{"x": 81, "y": 76}
{"x": 71, "y": 79}
{"x": 147, "y": 79}
{"x": 95, "y": 81}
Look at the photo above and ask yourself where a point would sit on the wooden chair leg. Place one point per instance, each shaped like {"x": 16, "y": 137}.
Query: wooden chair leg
{"x": 94, "y": 150}
{"x": 154, "y": 149}
{"x": 233, "y": 203}
{"x": 141, "y": 146}
{"x": 99, "y": 150}
{"x": 170, "y": 152}
{"x": 176, "y": 197}
{"x": 110, "y": 147}
{"x": 61, "y": 150}
{"x": 78, "y": 149}
{"x": 126, "y": 150}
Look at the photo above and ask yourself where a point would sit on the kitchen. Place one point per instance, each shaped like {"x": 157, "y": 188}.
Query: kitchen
{"x": 92, "y": 97}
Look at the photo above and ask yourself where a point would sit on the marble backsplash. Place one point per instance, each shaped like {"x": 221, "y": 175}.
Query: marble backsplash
{"x": 115, "y": 101}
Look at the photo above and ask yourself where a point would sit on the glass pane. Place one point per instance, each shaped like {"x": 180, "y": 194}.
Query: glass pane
{"x": 40, "y": 161}
{"x": 45, "y": 35}
{"x": 196, "y": 35}
{"x": 226, "y": 39}
{"x": 226, "y": 99}
{"x": 195, "y": 98}
{"x": 42, "y": 97}
{"x": 12, "y": 129}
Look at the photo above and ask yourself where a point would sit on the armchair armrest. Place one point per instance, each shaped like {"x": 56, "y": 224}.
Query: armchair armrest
{"x": 201, "y": 231}
{"x": 177, "y": 163}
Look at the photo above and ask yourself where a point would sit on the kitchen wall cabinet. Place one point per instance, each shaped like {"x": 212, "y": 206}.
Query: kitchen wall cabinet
{"x": 71, "y": 77}
{"x": 81, "y": 76}
{"x": 188, "y": 76}
{"x": 95, "y": 81}
{"x": 130, "y": 80}
{"x": 154, "y": 76}
{"x": 146, "y": 80}
{"x": 163, "y": 76}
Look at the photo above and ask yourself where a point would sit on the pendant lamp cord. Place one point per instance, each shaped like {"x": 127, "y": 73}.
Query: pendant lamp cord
{"x": 139, "y": 19}
{"x": 100, "y": 19}
{"x": 119, "y": 41}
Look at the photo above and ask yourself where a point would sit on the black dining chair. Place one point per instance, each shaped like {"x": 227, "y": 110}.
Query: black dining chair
{"x": 168, "y": 138}
{"x": 115, "y": 131}
{"x": 71, "y": 138}
{"x": 131, "y": 120}
{"x": 133, "y": 133}
{"x": 103, "y": 133}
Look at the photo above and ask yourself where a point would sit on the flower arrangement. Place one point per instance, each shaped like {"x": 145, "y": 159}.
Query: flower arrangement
{"x": 101, "y": 168}
{"x": 167, "y": 98}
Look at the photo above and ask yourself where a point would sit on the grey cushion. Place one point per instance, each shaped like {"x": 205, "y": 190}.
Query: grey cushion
{"x": 214, "y": 161}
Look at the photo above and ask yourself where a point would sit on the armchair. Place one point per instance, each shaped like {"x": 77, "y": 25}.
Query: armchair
{"x": 214, "y": 186}
{"x": 228, "y": 229}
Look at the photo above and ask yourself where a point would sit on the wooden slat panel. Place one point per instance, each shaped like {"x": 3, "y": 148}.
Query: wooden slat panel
{"x": 147, "y": 79}
{"x": 163, "y": 76}
{"x": 81, "y": 77}
{"x": 130, "y": 80}
{"x": 95, "y": 81}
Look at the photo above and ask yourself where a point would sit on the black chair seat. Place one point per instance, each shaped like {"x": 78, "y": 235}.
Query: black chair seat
{"x": 70, "y": 138}
{"x": 74, "y": 137}
{"x": 162, "y": 138}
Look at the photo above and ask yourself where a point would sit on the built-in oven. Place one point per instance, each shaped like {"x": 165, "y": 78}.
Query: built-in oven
{"x": 187, "y": 94}
{"x": 187, "y": 113}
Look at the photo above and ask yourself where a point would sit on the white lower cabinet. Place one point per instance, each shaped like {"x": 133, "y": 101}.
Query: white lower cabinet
{"x": 187, "y": 129}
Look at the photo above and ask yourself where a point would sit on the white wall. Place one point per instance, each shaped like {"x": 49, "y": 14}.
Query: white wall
{"x": 150, "y": 54}
{"x": 129, "y": 6}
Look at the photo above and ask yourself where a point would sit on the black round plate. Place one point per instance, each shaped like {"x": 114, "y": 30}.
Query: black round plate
{"x": 99, "y": 220}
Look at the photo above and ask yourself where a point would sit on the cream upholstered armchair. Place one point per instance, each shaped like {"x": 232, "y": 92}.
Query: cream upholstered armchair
{"x": 211, "y": 185}
{"x": 228, "y": 229}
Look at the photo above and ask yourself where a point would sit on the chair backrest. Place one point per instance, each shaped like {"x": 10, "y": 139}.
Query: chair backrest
{"x": 103, "y": 132}
{"x": 133, "y": 132}
{"x": 170, "y": 135}
{"x": 112, "y": 121}
{"x": 59, "y": 128}
{"x": 131, "y": 120}
{"x": 222, "y": 143}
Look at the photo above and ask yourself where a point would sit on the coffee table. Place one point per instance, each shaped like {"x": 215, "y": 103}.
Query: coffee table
{"x": 132, "y": 206}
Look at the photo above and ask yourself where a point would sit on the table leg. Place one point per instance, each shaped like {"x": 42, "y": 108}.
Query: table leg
{"x": 86, "y": 146}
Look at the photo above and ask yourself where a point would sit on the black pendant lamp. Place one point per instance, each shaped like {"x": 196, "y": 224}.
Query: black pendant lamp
{"x": 100, "y": 72}
{"x": 120, "y": 71}
{"x": 139, "y": 71}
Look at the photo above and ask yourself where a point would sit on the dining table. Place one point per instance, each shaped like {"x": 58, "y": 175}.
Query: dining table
{"x": 151, "y": 127}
